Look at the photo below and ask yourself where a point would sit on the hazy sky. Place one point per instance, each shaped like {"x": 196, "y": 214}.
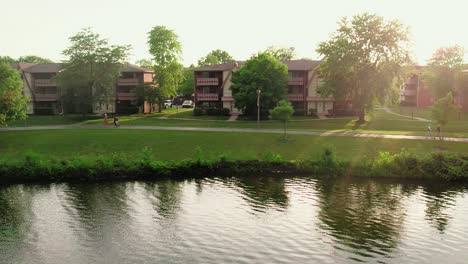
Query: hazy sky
{"x": 241, "y": 27}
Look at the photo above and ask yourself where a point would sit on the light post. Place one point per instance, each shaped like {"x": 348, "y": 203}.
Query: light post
{"x": 258, "y": 106}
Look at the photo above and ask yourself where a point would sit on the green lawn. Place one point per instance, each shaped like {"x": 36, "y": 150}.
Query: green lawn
{"x": 379, "y": 122}
{"x": 177, "y": 145}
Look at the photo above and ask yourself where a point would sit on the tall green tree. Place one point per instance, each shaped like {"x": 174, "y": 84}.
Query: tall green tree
{"x": 282, "y": 112}
{"x": 13, "y": 104}
{"x": 216, "y": 56}
{"x": 186, "y": 88}
{"x": 145, "y": 63}
{"x": 364, "y": 61}
{"x": 147, "y": 92}
{"x": 444, "y": 71}
{"x": 6, "y": 59}
{"x": 91, "y": 71}
{"x": 282, "y": 54}
{"x": 166, "y": 50}
{"x": 33, "y": 59}
{"x": 261, "y": 72}
{"x": 443, "y": 109}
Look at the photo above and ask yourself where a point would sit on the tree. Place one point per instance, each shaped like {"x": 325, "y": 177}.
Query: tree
{"x": 282, "y": 54}
{"x": 186, "y": 88}
{"x": 13, "y": 104}
{"x": 261, "y": 72}
{"x": 282, "y": 112}
{"x": 166, "y": 50}
{"x": 6, "y": 59}
{"x": 443, "y": 109}
{"x": 144, "y": 63}
{"x": 89, "y": 75}
{"x": 364, "y": 61}
{"x": 149, "y": 93}
{"x": 215, "y": 57}
{"x": 444, "y": 71}
{"x": 33, "y": 59}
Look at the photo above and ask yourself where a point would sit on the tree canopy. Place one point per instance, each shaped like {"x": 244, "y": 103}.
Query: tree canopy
{"x": 282, "y": 54}
{"x": 215, "y": 57}
{"x": 443, "y": 109}
{"x": 166, "y": 49}
{"x": 364, "y": 61}
{"x": 33, "y": 59}
{"x": 188, "y": 83}
{"x": 89, "y": 75}
{"x": 282, "y": 112}
{"x": 443, "y": 73}
{"x": 6, "y": 59}
{"x": 13, "y": 104}
{"x": 261, "y": 72}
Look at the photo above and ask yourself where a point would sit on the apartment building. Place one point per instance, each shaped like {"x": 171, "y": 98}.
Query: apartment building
{"x": 44, "y": 94}
{"x": 213, "y": 83}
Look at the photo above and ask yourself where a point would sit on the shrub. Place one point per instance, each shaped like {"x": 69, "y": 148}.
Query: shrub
{"x": 197, "y": 111}
{"x": 225, "y": 111}
{"x": 272, "y": 156}
{"x": 300, "y": 112}
{"x": 212, "y": 111}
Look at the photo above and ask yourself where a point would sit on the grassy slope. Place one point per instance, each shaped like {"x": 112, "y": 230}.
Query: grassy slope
{"x": 176, "y": 145}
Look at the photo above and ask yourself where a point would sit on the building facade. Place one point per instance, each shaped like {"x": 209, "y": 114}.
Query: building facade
{"x": 44, "y": 94}
{"x": 213, "y": 87}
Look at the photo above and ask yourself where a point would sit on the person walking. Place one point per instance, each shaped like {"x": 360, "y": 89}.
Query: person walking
{"x": 439, "y": 135}
{"x": 116, "y": 120}
{"x": 106, "y": 119}
{"x": 429, "y": 131}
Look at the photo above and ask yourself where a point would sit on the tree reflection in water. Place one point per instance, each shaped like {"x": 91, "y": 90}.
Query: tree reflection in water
{"x": 263, "y": 192}
{"x": 167, "y": 194}
{"x": 365, "y": 217}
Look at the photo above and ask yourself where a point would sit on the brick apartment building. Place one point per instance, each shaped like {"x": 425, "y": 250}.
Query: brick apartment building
{"x": 213, "y": 87}
{"x": 44, "y": 94}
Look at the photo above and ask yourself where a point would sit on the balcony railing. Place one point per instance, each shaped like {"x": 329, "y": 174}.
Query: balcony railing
{"x": 128, "y": 82}
{"x": 45, "y": 97}
{"x": 207, "y": 97}
{"x": 44, "y": 82}
{"x": 409, "y": 92}
{"x": 207, "y": 81}
{"x": 295, "y": 97}
{"x": 126, "y": 96}
{"x": 296, "y": 81}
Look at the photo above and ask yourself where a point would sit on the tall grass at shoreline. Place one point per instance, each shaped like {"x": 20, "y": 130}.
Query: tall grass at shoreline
{"x": 117, "y": 166}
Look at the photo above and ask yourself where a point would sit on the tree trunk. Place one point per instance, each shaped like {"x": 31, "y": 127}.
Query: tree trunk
{"x": 284, "y": 130}
{"x": 362, "y": 115}
{"x": 159, "y": 105}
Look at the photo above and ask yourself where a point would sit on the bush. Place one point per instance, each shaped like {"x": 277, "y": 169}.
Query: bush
{"x": 197, "y": 111}
{"x": 225, "y": 111}
{"x": 212, "y": 111}
{"x": 313, "y": 112}
{"x": 300, "y": 112}
{"x": 128, "y": 110}
{"x": 43, "y": 111}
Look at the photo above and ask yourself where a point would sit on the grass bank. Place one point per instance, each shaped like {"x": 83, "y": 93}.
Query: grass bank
{"x": 179, "y": 145}
{"x": 35, "y": 168}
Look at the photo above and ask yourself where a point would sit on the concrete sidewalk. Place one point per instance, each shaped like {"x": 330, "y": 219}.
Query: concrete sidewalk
{"x": 237, "y": 130}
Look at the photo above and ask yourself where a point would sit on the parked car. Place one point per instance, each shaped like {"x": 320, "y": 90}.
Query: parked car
{"x": 168, "y": 104}
{"x": 187, "y": 104}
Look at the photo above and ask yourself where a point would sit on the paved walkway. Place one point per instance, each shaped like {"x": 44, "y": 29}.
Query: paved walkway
{"x": 238, "y": 130}
{"x": 412, "y": 117}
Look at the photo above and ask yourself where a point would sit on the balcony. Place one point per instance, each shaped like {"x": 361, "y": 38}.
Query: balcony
{"x": 207, "y": 81}
{"x": 44, "y": 83}
{"x": 45, "y": 97}
{"x": 412, "y": 81}
{"x": 207, "y": 97}
{"x": 126, "y": 96}
{"x": 295, "y": 97}
{"x": 128, "y": 82}
{"x": 296, "y": 81}
{"x": 409, "y": 92}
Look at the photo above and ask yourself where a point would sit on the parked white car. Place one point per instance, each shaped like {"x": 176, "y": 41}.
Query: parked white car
{"x": 187, "y": 104}
{"x": 168, "y": 104}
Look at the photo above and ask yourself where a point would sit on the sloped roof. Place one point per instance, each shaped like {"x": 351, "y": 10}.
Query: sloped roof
{"x": 302, "y": 65}
{"x": 55, "y": 67}
{"x": 21, "y": 66}
{"x": 293, "y": 65}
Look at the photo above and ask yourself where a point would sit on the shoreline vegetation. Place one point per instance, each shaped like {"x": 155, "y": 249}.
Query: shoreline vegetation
{"x": 34, "y": 168}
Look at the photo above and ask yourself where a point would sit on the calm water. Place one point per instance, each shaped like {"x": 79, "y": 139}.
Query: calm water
{"x": 236, "y": 220}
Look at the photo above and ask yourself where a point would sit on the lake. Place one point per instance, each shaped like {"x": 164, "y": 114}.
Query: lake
{"x": 235, "y": 220}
